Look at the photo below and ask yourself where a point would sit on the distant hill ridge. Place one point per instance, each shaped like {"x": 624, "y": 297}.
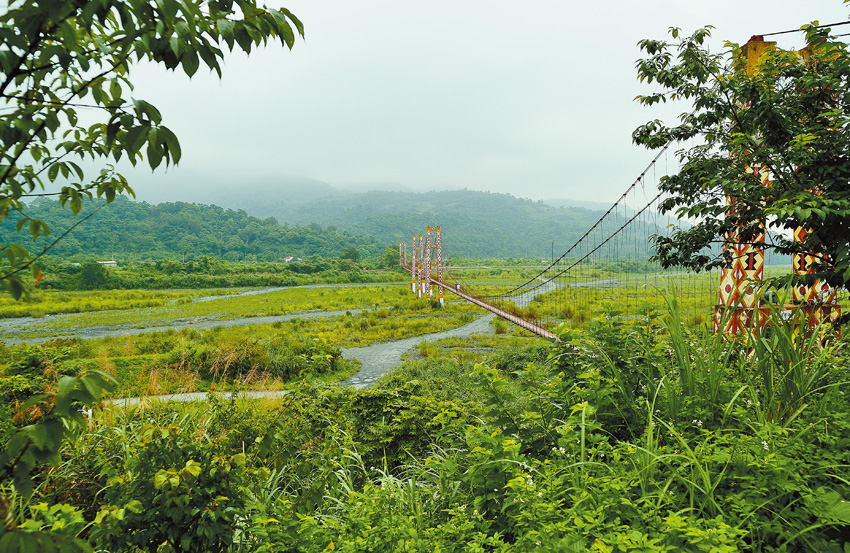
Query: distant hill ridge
{"x": 268, "y": 227}
{"x": 474, "y": 224}
{"x": 134, "y": 231}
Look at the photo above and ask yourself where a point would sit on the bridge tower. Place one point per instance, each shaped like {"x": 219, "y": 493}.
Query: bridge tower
{"x": 414, "y": 266}
{"x": 426, "y": 276}
{"x": 420, "y": 255}
{"x": 738, "y": 282}
{"x": 439, "y": 254}
{"x": 426, "y": 261}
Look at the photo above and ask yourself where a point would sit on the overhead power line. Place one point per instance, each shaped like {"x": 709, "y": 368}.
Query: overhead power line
{"x": 800, "y": 30}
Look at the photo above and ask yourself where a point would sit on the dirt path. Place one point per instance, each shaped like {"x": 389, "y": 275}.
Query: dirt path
{"x": 379, "y": 359}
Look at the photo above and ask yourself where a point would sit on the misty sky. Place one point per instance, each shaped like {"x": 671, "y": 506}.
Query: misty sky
{"x": 535, "y": 99}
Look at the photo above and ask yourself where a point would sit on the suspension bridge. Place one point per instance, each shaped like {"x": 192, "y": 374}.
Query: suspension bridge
{"x": 611, "y": 268}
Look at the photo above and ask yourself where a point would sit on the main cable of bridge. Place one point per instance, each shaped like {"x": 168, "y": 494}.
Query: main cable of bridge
{"x": 622, "y": 198}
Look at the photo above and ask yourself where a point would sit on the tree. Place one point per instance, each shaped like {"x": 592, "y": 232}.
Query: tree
{"x": 790, "y": 116}
{"x": 58, "y": 56}
{"x": 389, "y": 259}
{"x": 93, "y": 275}
{"x": 351, "y": 253}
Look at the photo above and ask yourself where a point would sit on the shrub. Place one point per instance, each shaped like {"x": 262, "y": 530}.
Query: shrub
{"x": 177, "y": 491}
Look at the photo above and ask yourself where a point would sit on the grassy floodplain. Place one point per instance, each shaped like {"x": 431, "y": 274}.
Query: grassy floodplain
{"x": 210, "y": 305}
{"x": 629, "y": 434}
{"x": 39, "y": 303}
{"x": 211, "y": 343}
{"x": 591, "y": 293}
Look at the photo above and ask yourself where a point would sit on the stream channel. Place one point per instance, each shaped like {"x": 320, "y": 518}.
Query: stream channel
{"x": 375, "y": 360}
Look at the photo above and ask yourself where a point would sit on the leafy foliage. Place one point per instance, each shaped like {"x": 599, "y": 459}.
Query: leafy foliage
{"x": 786, "y": 115}
{"x": 58, "y": 57}
{"x": 38, "y": 443}
{"x": 180, "y": 491}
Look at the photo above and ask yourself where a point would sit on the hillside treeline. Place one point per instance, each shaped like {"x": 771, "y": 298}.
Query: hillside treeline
{"x": 134, "y": 231}
{"x": 474, "y": 224}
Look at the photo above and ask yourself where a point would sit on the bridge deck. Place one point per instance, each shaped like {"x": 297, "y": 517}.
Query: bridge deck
{"x": 522, "y": 323}
{"x": 531, "y": 327}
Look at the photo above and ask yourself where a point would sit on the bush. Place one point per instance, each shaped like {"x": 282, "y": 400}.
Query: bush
{"x": 181, "y": 492}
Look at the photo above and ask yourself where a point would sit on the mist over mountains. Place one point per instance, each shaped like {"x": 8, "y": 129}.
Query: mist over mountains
{"x": 306, "y": 217}
{"x": 474, "y": 223}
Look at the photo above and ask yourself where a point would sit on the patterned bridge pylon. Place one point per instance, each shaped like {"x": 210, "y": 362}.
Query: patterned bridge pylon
{"x": 739, "y": 281}
{"x": 426, "y": 260}
{"x": 740, "y": 306}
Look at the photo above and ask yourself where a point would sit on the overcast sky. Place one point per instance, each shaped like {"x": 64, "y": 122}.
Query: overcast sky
{"x": 535, "y": 99}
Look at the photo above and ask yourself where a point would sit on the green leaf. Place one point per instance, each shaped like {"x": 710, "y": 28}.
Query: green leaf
{"x": 829, "y": 505}
{"x": 35, "y": 228}
{"x": 193, "y": 468}
{"x": 190, "y": 62}
{"x": 171, "y": 143}
{"x": 76, "y": 203}
{"x": 225, "y": 27}
{"x": 160, "y": 479}
{"x": 154, "y": 154}
{"x": 16, "y": 287}
{"x": 33, "y": 400}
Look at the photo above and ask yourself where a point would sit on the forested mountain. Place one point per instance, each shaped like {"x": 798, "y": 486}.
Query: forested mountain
{"x": 133, "y": 231}
{"x": 474, "y": 224}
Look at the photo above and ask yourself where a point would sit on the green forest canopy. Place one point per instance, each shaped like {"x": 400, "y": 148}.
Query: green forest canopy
{"x": 136, "y": 231}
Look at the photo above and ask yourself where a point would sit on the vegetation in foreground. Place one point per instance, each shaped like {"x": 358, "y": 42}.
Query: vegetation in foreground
{"x": 641, "y": 437}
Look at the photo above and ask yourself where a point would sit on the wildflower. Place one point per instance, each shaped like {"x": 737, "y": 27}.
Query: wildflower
{"x": 475, "y": 512}
{"x": 764, "y": 445}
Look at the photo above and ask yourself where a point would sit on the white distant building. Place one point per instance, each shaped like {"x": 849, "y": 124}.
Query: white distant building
{"x": 108, "y": 263}
{"x": 290, "y": 259}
